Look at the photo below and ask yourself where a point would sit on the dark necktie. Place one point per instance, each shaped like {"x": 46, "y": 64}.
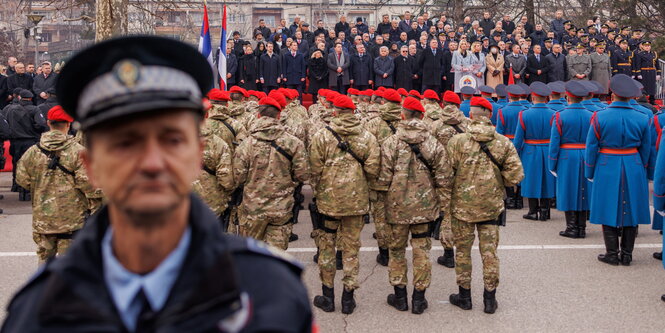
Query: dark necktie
{"x": 145, "y": 322}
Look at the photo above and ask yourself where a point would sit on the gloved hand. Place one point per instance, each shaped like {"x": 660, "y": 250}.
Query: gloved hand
{"x": 553, "y": 173}
{"x": 661, "y": 212}
{"x": 657, "y": 77}
{"x": 590, "y": 180}
{"x": 639, "y": 77}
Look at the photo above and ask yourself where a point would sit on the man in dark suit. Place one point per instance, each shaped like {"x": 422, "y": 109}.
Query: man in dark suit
{"x": 270, "y": 69}
{"x": 303, "y": 45}
{"x": 557, "y": 67}
{"x": 342, "y": 26}
{"x": 293, "y": 68}
{"x": 537, "y": 66}
{"x": 405, "y": 69}
{"x": 405, "y": 24}
{"x": 508, "y": 25}
{"x": 430, "y": 67}
{"x": 448, "y": 77}
{"x": 384, "y": 26}
{"x": 361, "y": 69}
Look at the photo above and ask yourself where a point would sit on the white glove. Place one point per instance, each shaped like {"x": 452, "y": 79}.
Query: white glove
{"x": 553, "y": 173}
{"x": 639, "y": 77}
{"x": 657, "y": 77}
{"x": 662, "y": 213}
{"x": 589, "y": 179}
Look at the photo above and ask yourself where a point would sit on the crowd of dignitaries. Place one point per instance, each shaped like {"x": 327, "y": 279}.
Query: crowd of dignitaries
{"x": 422, "y": 53}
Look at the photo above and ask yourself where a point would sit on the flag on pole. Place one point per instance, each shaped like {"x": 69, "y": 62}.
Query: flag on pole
{"x": 221, "y": 60}
{"x": 511, "y": 76}
{"x": 205, "y": 44}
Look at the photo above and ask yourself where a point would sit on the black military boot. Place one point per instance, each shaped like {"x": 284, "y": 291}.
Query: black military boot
{"x": 374, "y": 235}
{"x": 316, "y": 257}
{"x": 571, "y": 225}
{"x": 348, "y": 303}
{"x": 398, "y": 300}
{"x": 366, "y": 218}
{"x": 510, "y": 198}
{"x": 581, "y": 223}
{"x": 293, "y": 237}
{"x": 418, "y": 301}
{"x": 611, "y": 238}
{"x": 627, "y": 245}
{"x": 327, "y": 301}
{"x": 533, "y": 210}
{"x": 519, "y": 201}
{"x": 447, "y": 259}
{"x": 553, "y": 203}
{"x": 489, "y": 299}
{"x": 658, "y": 255}
{"x": 662, "y": 298}
{"x": 383, "y": 257}
{"x": 338, "y": 260}
{"x": 544, "y": 209}
{"x": 461, "y": 300}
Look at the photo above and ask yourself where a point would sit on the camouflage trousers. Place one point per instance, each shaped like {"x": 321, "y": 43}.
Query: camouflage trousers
{"x": 488, "y": 237}
{"x": 421, "y": 244}
{"x": 48, "y": 245}
{"x": 274, "y": 231}
{"x": 378, "y": 205}
{"x": 347, "y": 240}
{"x": 446, "y": 232}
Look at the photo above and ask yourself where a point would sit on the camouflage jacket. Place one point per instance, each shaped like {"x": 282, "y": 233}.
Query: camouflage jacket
{"x": 215, "y": 183}
{"x": 240, "y": 112}
{"x": 476, "y": 191}
{"x": 324, "y": 119}
{"x": 432, "y": 113}
{"x": 339, "y": 180}
{"x": 294, "y": 124}
{"x": 297, "y": 111}
{"x": 412, "y": 189}
{"x": 371, "y": 113}
{"x": 443, "y": 129}
{"x": 268, "y": 176}
{"x": 390, "y": 113}
{"x": 315, "y": 109}
{"x": 60, "y": 201}
{"x": 218, "y": 123}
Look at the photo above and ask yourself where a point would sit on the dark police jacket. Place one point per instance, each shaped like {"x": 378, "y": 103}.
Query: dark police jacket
{"x": 362, "y": 69}
{"x": 270, "y": 69}
{"x": 557, "y": 68}
{"x": 222, "y": 280}
{"x": 21, "y": 119}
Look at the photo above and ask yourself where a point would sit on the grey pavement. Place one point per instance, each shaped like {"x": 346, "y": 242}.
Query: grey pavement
{"x": 548, "y": 283}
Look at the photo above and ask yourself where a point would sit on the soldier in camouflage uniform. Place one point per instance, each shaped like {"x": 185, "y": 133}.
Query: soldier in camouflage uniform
{"x": 382, "y": 127}
{"x": 62, "y": 197}
{"x": 432, "y": 107}
{"x": 363, "y": 104}
{"x": 237, "y": 107}
{"x": 339, "y": 179}
{"x": 451, "y": 123}
{"x": 476, "y": 193}
{"x": 412, "y": 169}
{"x": 375, "y": 101}
{"x": 291, "y": 117}
{"x": 316, "y": 108}
{"x": 215, "y": 183}
{"x": 269, "y": 164}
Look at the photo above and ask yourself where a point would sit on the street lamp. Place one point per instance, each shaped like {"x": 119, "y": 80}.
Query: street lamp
{"x": 35, "y": 19}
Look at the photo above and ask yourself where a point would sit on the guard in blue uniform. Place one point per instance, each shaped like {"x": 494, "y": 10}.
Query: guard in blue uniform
{"x": 527, "y": 91}
{"x": 659, "y": 190}
{"x": 621, "y": 59}
{"x": 646, "y": 70}
{"x": 617, "y": 153}
{"x": 165, "y": 266}
{"x": 467, "y": 93}
{"x": 486, "y": 92}
{"x": 501, "y": 95}
{"x": 557, "y": 103}
{"x": 567, "y": 144}
{"x": 586, "y": 101}
{"x": 532, "y": 139}
{"x": 656, "y": 135}
{"x": 595, "y": 98}
{"x": 507, "y": 120}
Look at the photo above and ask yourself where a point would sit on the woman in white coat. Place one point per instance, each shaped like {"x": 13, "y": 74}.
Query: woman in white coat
{"x": 466, "y": 65}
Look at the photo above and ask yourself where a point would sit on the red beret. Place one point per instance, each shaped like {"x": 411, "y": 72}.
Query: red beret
{"x": 279, "y": 97}
{"x": 415, "y": 94}
{"x": 219, "y": 95}
{"x": 392, "y": 95}
{"x": 270, "y": 101}
{"x": 353, "y": 91}
{"x": 431, "y": 94}
{"x": 323, "y": 92}
{"x": 411, "y": 103}
{"x": 236, "y": 89}
{"x": 344, "y": 102}
{"x": 451, "y": 97}
{"x": 294, "y": 93}
{"x": 56, "y": 113}
{"x": 369, "y": 92}
{"x": 402, "y": 91}
{"x": 331, "y": 95}
{"x": 260, "y": 94}
{"x": 378, "y": 93}
{"x": 382, "y": 88}
{"x": 482, "y": 102}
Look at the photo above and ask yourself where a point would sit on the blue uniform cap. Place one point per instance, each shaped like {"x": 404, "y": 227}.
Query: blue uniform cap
{"x": 638, "y": 84}
{"x": 557, "y": 87}
{"x": 501, "y": 90}
{"x": 515, "y": 90}
{"x": 486, "y": 89}
{"x": 599, "y": 89}
{"x": 525, "y": 87}
{"x": 467, "y": 91}
{"x": 590, "y": 87}
{"x": 540, "y": 89}
{"x": 622, "y": 85}
{"x": 576, "y": 88}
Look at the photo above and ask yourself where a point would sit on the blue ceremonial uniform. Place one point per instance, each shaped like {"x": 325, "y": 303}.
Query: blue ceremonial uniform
{"x": 596, "y": 101}
{"x": 589, "y": 105}
{"x": 526, "y": 103}
{"x": 656, "y": 136}
{"x": 495, "y": 109}
{"x": 619, "y": 196}
{"x": 465, "y": 107}
{"x": 507, "y": 119}
{"x": 569, "y": 132}
{"x": 532, "y": 137}
{"x": 659, "y": 182}
{"x": 557, "y": 105}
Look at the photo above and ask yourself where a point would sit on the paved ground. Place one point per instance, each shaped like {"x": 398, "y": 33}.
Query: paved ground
{"x": 548, "y": 283}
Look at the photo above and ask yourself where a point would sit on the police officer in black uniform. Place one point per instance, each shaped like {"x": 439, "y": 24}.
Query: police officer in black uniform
{"x": 621, "y": 59}
{"x": 23, "y": 133}
{"x": 154, "y": 259}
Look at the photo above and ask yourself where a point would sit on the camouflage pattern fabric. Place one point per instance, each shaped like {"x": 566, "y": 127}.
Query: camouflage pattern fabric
{"x": 372, "y": 111}
{"x": 268, "y": 177}
{"x": 274, "y": 231}
{"x": 377, "y": 200}
{"x": 238, "y": 111}
{"x": 347, "y": 240}
{"x": 215, "y": 190}
{"x": 412, "y": 197}
{"x": 422, "y": 267}
{"x": 432, "y": 112}
{"x": 215, "y": 124}
{"x": 488, "y": 238}
{"x": 60, "y": 201}
{"x": 475, "y": 193}
{"x": 340, "y": 182}
{"x": 50, "y": 245}
{"x": 389, "y": 113}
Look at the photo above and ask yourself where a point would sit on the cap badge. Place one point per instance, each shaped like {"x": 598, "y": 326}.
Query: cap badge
{"x": 127, "y": 72}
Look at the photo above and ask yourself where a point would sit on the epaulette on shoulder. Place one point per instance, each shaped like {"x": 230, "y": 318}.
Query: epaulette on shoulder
{"x": 250, "y": 245}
